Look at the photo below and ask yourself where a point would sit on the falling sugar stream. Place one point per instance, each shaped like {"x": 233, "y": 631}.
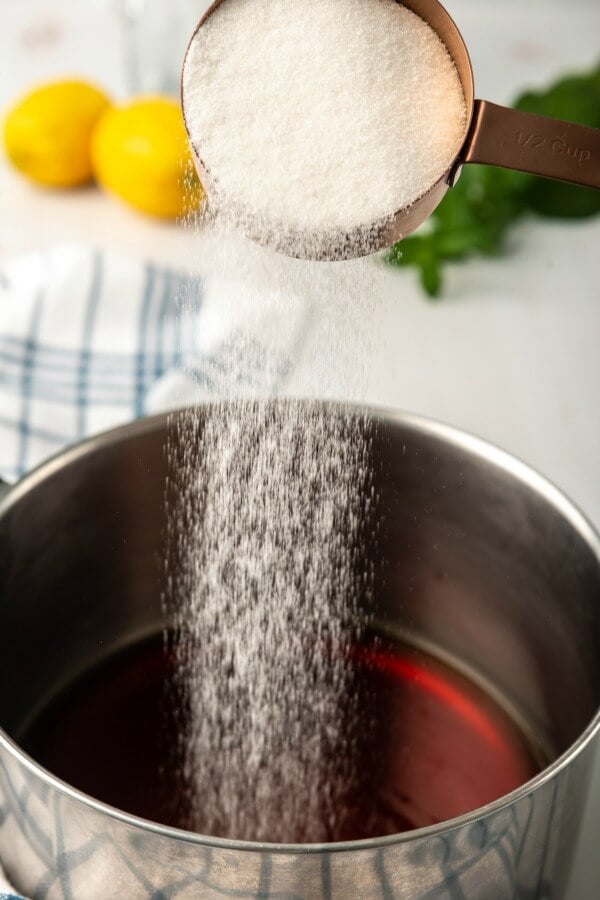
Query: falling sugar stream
{"x": 269, "y": 505}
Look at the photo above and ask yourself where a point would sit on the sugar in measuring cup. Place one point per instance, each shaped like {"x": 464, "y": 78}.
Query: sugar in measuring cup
{"x": 331, "y": 130}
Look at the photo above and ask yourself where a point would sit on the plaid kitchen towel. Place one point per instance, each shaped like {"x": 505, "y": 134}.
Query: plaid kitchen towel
{"x": 83, "y": 335}
{"x": 91, "y": 339}
{"x": 6, "y": 891}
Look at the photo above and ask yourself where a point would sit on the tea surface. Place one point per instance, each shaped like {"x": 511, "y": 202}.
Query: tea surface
{"x": 429, "y": 745}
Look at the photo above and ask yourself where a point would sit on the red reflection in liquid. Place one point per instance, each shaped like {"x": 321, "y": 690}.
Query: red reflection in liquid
{"x": 442, "y": 746}
{"x": 427, "y": 744}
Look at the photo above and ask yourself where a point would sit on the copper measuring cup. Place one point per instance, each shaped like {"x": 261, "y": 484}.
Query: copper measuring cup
{"x": 494, "y": 135}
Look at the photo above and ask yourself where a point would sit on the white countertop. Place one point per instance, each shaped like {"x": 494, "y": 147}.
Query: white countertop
{"x": 512, "y": 350}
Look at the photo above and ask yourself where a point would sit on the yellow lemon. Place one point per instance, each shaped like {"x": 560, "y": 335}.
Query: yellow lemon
{"x": 140, "y": 153}
{"x": 47, "y": 134}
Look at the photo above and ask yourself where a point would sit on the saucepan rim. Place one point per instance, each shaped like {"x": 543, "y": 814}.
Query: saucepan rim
{"x": 476, "y": 447}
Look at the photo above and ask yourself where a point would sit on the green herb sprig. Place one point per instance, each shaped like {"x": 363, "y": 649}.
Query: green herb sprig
{"x": 475, "y": 215}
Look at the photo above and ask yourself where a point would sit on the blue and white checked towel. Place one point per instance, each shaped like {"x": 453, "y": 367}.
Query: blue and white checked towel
{"x": 83, "y": 337}
{"x": 4, "y": 887}
{"x": 89, "y": 340}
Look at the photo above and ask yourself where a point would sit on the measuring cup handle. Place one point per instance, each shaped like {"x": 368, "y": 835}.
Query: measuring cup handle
{"x": 512, "y": 139}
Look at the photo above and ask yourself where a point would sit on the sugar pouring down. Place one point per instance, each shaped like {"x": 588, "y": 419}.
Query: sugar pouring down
{"x": 361, "y": 642}
{"x": 331, "y": 130}
{"x": 325, "y": 130}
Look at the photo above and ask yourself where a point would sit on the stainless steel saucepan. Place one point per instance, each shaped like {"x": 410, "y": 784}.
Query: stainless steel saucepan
{"x": 81, "y": 574}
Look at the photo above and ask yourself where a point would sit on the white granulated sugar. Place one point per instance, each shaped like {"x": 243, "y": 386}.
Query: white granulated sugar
{"x": 321, "y": 115}
{"x": 270, "y": 583}
{"x": 270, "y": 508}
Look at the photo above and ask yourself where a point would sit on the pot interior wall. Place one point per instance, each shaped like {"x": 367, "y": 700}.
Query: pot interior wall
{"x": 468, "y": 558}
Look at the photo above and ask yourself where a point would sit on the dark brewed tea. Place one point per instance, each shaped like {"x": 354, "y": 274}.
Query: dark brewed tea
{"x": 432, "y": 744}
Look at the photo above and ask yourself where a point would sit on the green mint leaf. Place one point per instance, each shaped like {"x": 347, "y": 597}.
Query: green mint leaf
{"x": 475, "y": 216}
{"x": 431, "y": 278}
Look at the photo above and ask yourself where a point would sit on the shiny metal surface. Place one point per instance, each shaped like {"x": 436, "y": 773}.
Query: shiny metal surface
{"x": 476, "y": 555}
{"x": 494, "y": 135}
